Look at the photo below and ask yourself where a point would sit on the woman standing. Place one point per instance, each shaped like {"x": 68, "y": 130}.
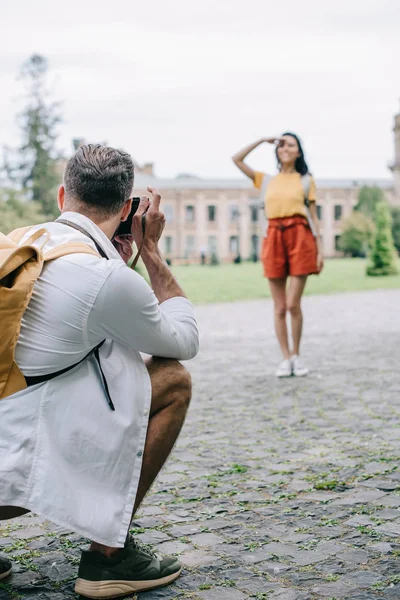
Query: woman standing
{"x": 290, "y": 247}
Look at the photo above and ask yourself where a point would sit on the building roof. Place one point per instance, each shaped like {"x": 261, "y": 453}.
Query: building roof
{"x": 190, "y": 182}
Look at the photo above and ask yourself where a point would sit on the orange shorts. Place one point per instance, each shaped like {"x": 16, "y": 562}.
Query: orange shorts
{"x": 289, "y": 248}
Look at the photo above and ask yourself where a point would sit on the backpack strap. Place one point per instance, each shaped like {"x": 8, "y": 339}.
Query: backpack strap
{"x": 69, "y": 248}
{"x": 263, "y": 193}
{"x": 58, "y": 252}
{"x": 17, "y": 235}
{"x": 306, "y": 182}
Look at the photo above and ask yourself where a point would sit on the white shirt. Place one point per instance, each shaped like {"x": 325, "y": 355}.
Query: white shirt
{"x": 63, "y": 453}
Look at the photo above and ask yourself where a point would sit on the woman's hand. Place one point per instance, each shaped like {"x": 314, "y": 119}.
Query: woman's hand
{"x": 272, "y": 140}
{"x": 320, "y": 262}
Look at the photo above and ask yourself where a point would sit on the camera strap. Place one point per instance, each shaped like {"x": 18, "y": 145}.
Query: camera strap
{"x": 135, "y": 260}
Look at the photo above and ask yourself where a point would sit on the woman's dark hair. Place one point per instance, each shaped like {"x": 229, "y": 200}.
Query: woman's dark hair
{"x": 300, "y": 164}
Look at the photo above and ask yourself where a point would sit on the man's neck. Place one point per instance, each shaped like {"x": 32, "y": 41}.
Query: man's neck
{"x": 108, "y": 227}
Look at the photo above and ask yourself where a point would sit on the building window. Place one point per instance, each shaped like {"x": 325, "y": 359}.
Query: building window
{"x": 168, "y": 244}
{"x": 189, "y": 214}
{"x": 233, "y": 213}
{"x": 168, "y": 212}
{"x": 255, "y": 241}
{"x": 212, "y": 213}
{"x": 337, "y": 243}
{"x": 319, "y": 212}
{"x": 212, "y": 244}
{"x": 338, "y": 212}
{"x": 234, "y": 244}
{"x": 254, "y": 214}
{"x": 190, "y": 245}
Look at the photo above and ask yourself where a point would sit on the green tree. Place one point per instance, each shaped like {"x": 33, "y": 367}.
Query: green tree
{"x": 368, "y": 199}
{"x": 357, "y": 235}
{"x": 15, "y": 212}
{"x": 383, "y": 258}
{"x": 395, "y": 210}
{"x": 33, "y": 166}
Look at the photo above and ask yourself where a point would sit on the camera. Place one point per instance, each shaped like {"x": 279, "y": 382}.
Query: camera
{"x": 125, "y": 227}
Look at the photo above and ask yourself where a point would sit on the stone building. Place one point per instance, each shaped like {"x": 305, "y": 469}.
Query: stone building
{"x": 222, "y": 217}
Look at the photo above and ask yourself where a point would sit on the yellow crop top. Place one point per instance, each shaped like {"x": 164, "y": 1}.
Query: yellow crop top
{"x": 285, "y": 194}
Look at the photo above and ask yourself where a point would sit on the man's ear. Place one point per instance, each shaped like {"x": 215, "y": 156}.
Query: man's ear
{"x": 61, "y": 198}
{"x": 126, "y": 210}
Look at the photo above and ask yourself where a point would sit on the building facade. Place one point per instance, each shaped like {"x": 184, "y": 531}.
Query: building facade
{"x": 222, "y": 219}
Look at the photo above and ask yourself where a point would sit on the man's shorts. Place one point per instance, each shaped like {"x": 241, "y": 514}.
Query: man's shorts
{"x": 289, "y": 248}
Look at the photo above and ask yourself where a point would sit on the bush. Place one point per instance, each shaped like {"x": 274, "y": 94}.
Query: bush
{"x": 357, "y": 235}
{"x": 383, "y": 257}
{"x": 16, "y": 212}
{"x": 396, "y": 226}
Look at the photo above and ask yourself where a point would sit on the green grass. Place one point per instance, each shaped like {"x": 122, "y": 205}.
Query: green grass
{"x": 228, "y": 283}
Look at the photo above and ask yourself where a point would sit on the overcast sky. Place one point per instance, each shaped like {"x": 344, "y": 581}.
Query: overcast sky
{"x": 186, "y": 83}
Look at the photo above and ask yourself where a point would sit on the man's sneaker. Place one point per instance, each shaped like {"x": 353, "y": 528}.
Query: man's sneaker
{"x": 5, "y": 567}
{"x": 299, "y": 370}
{"x": 284, "y": 369}
{"x": 134, "y": 568}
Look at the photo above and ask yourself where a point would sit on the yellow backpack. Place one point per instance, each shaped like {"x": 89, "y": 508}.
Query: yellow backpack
{"x": 20, "y": 267}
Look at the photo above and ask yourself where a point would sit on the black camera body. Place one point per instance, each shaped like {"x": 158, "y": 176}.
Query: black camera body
{"x": 126, "y": 226}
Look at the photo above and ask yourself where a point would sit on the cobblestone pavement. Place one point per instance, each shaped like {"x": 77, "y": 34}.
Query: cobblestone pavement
{"x": 277, "y": 489}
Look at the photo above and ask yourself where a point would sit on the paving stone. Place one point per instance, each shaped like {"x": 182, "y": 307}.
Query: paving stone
{"x": 241, "y": 481}
{"x": 336, "y": 589}
{"x": 389, "y": 528}
{"x": 389, "y": 500}
{"x": 206, "y": 539}
{"x": 27, "y": 533}
{"x": 357, "y": 557}
{"x": 184, "y": 530}
{"x": 153, "y": 537}
{"x": 285, "y": 594}
{"x": 196, "y": 558}
{"x": 54, "y": 566}
{"x": 393, "y": 592}
{"x": 220, "y": 593}
{"x": 385, "y": 514}
{"x": 383, "y": 547}
{"x": 359, "y": 497}
{"x": 363, "y": 579}
{"x": 174, "y": 547}
{"x": 359, "y": 520}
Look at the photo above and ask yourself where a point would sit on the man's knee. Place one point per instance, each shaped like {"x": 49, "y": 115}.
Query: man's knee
{"x": 181, "y": 384}
{"x": 172, "y": 382}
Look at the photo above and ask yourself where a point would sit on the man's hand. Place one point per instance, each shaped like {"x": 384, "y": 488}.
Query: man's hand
{"x": 123, "y": 245}
{"x": 155, "y": 221}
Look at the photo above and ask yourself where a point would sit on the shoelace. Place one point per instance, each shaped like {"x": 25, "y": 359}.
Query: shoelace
{"x": 145, "y": 548}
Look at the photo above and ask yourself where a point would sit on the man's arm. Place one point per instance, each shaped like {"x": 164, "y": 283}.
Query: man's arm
{"x": 162, "y": 280}
{"x": 158, "y": 321}
{"x": 126, "y": 310}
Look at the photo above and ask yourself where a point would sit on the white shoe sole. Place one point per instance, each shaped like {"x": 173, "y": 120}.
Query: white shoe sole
{"x": 282, "y": 376}
{"x": 6, "y": 574}
{"x": 114, "y": 589}
{"x": 301, "y": 374}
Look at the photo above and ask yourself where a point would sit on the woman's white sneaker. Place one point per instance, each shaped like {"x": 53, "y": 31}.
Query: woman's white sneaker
{"x": 299, "y": 370}
{"x": 284, "y": 369}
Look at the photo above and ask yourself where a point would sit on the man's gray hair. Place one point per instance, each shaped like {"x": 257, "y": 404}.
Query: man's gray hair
{"x": 101, "y": 177}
